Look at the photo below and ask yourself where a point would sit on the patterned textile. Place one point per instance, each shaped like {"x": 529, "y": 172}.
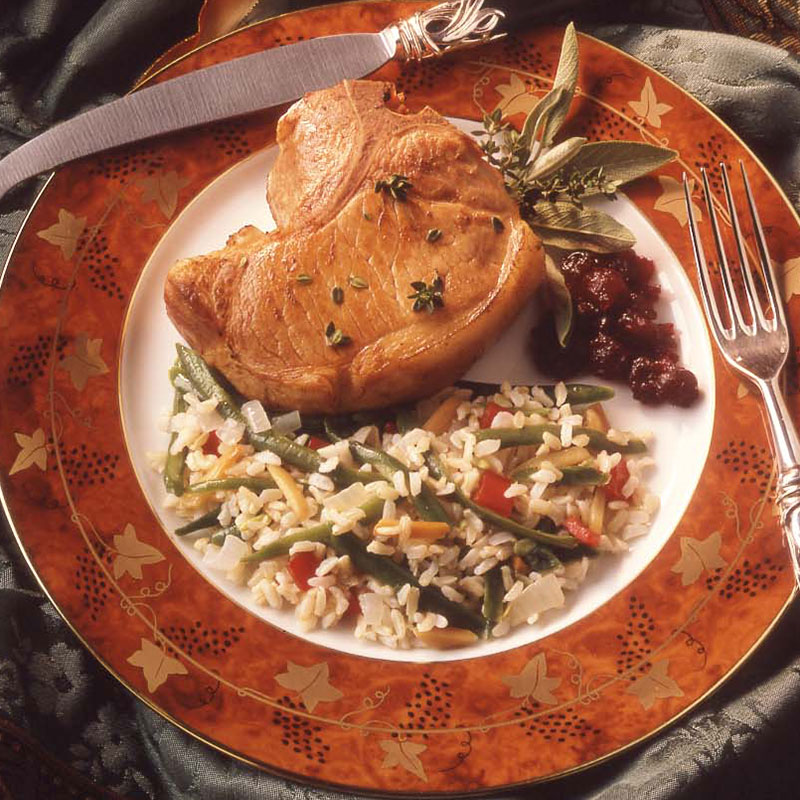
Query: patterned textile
{"x": 772, "y": 21}
{"x": 68, "y": 729}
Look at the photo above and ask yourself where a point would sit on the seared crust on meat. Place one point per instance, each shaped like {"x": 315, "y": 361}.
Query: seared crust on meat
{"x": 243, "y": 308}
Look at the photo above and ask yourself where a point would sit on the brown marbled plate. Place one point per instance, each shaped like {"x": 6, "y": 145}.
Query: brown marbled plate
{"x": 535, "y": 712}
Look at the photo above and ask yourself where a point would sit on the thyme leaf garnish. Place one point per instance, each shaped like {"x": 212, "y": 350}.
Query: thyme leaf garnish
{"x": 427, "y": 296}
{"x": 396, "y": 185}
{"x": 304, "y": 278}
{"x": 335, "y": 337}
{"x": 357, "y": 282}
{"x": 433, "y": 235}
{"x": 497, "y": 224}
{"x": 337, "y": 295}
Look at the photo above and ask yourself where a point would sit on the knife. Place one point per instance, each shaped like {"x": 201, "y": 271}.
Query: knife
{"x": 258, "y": 81}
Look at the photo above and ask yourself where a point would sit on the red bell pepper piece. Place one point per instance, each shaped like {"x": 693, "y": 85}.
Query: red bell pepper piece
{"x": 211, "y": 444}
{"x": 616, "y": 480}
{"x": 314, "y": 442}
{"x": 389, "y": 427}
{"x": 491, "y": 493}
{"x": 489, "y": 413}
{"x": 302, "y": 566}
{"x": 583, "y": 533}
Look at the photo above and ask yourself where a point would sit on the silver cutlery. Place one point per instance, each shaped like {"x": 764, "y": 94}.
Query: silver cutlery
{"x": 258, "y": 81}
{"x": 759, "y": 348}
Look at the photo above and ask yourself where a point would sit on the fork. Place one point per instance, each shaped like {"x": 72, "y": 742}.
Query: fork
{"x": 757, "y": 349}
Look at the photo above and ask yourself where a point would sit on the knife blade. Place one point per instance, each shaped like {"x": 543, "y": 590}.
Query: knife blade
{"x": 254, "y": 82}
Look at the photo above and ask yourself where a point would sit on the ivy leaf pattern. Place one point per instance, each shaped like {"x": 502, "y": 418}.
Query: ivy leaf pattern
{"x": 673, "y": 202}
{"x": 533, "y": 681}
{"x": 648, "y": 107}
{"x": 156, "y": 665}
{"x": 65, "y": 233}
{"x": 163, "y": 190}
{"x": 790, "y": 270}
{"x": 85, "y": 362}
{"x": 697, "y": 555}
{"x": 33, "y": 450}
{"x": 516, "y": 97}
{"x": 405, "y": 755}
{"x": 656, "y": 684}
{"x": 133, "y": 554}
{"x": 311, "y": 683}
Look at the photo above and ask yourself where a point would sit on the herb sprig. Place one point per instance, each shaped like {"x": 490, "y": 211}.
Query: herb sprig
{"x": 550, "y": 180}
{"x": 396, "y": 185}
{"x": 428, "y": 296}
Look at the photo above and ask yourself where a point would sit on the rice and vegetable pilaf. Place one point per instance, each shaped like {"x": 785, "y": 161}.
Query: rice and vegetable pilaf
{"x": 465, "y": 516}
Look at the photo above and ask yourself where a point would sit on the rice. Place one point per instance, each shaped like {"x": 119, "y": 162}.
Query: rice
{"x": 458, "y": 561}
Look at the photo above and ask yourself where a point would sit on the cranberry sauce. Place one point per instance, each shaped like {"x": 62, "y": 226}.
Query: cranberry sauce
{"x": 615, "y": 333}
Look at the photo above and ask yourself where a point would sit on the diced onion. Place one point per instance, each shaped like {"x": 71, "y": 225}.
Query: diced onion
{"x": 541, "y": 596}
{"x": 233, "y": 550}
{"x": 257, "y": 419}
{"x": 354, "y": 495}
{"x": 287, "y": 423}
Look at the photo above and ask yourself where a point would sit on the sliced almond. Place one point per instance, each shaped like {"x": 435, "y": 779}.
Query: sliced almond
{"x": 595, "y": 417}
{"x": 447, "y": 638}
{"x": 429, "y": 531}
{"x": 222, "y": 464}
{"x": 597, "y": 511}
{"x": 291, "y": 491}
{"x": 560, "y": 458}
{"x": 438, "y": 422}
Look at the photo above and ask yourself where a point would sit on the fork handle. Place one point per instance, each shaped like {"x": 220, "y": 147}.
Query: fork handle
{"x": 787, "y": 455}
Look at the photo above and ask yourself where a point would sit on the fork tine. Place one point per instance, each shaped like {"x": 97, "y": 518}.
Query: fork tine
{"x": 734, "y": 312}
{"x": 770, "y": 281}
{"x": 706, "y": 291}
{"x": 751, "y": 295}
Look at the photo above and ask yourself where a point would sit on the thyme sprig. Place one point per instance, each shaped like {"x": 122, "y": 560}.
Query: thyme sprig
{"x": 395, "y": 185}
{"x": 335, "y": 336}
{"x": 428, "y": 296}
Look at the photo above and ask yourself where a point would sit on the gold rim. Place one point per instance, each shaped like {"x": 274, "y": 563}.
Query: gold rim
{"x": 330, "y": 784}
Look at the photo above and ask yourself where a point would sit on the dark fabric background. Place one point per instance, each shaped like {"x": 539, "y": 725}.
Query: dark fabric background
{"x": 60, "y": 56}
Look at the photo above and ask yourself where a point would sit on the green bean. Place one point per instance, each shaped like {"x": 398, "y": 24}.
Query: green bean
{"x": 229, "y": 484}
{"x": 534, "y": 434}
{"x": 499, "y": 521}
{"x": 579, "y": 475}
{"x": 426, "y": 503}
{"x": 493, "y": 592}
{"x": 175, "y": 466}
{"x": 208, "y": 520}
{"x": 202, "y": 378}
{"x": 388, "y": 572}
{"x": 219, "y": 537}
{"x": 578, "y": 394}
{"x": 206, "y": 385}
{"x": 316, "y": 533}
{"x": 538, "y": 558}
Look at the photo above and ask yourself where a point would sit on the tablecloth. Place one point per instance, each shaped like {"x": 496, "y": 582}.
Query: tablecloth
{"x": 67, "y": 729}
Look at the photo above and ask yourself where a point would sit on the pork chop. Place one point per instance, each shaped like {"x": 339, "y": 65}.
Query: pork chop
{"x": 258, "y": 309}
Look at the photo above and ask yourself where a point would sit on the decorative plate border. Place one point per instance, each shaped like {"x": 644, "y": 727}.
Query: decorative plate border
{"x": 653, "y": 650}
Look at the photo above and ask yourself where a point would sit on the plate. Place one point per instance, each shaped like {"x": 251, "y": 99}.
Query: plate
{"x": 85, "y": 350}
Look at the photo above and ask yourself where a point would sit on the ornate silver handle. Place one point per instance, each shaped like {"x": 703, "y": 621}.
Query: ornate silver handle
{"x": 441, "y": 29}
{"x": 787, "y": 456}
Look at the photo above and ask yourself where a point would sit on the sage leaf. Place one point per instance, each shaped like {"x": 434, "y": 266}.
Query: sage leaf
{"x": 569, "y": 227}
{"x": 560, "y": 300}
{"x": 620, "y": 161}
{"x": 566, "y": 79}
{"x": 556, "y": 157}
{"x": 548, "y": 115}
